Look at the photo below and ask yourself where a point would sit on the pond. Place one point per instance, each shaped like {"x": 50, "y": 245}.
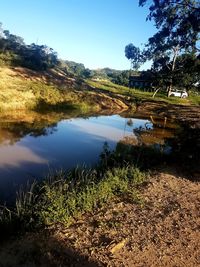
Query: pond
{"x": 35, "y": 144}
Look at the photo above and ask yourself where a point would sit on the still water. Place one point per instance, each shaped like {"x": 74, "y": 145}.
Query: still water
{"x": 30, "y": 148}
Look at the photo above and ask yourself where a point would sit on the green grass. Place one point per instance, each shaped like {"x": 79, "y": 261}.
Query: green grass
{"x": 109, "y": 86}
{"x": 62, "y": 197}
{"x": 64, "y": 202}
{"x": 17, "y": 92}
{"x": 194, "y": 98}
{"x": 139, "y": 95}
{"x": 22, "y": 89}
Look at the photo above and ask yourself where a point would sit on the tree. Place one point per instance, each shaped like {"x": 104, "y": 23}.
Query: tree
{"x": 122, "y": 78}
{"x": 37, "y": 57}
{"x": 187, "y": 73}
{"x": 87, "y": 73}
{"x": 178, "y": 25}
{"x": 134, "y": 54}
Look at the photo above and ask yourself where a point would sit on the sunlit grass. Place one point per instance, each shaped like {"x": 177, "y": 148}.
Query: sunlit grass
{"x": 21, "y": 90}
{"x": 140, "y": 95}
{"x": 65, "y": 196}
{"x": 18, "y": 92}
{"x": 194, "y": 98}
{"x": 108, "y": 86}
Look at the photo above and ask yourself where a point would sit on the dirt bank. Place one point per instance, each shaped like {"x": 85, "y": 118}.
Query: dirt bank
{"x": 189, "y": 115}
{"x": 162, "y": 229}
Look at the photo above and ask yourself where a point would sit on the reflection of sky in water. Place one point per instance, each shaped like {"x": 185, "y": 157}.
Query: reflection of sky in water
{"x": 15, "y": 155}
{"x": 109, "y": 133}
{"x": 115, "y": 121}
{"x": 76, "y": 141}
{"x": 75, "y": 137}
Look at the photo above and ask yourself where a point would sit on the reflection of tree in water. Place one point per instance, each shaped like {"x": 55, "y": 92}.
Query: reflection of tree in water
{"x": 13, "y": 132}
{"x": 147, "y": 146}
{"x": 153, "y": 132}
{"x": 165, "y": 142}
{"x": 15, "y": 126}
{"x": 186, "y": 150}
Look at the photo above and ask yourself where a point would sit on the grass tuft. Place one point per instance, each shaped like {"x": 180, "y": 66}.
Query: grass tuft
{"x": 66, "y": 195}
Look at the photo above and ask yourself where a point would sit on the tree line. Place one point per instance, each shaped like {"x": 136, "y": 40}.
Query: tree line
{"x": 14, "y": 51}
{"x": 33, "y": 56}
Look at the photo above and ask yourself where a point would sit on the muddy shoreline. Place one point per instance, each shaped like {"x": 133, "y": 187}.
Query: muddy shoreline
{"x": 187, "y": 115}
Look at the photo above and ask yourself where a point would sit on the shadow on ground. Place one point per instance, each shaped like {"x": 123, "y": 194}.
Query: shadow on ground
{"x": 42, "y": 250}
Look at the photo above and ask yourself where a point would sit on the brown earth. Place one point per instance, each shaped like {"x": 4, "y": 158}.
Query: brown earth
{"x": 189, "y": 115}
{"x": 105, "y": 100}
{"x": 51, "y": 76}
{"x": 160, "y": 229}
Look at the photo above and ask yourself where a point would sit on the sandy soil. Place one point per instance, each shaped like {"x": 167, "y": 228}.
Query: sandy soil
{"x": 161, "y": 229}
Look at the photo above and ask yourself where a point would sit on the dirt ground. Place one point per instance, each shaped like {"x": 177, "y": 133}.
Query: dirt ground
{"x": 188, "y": 115}
{"x": 160, "y": 229}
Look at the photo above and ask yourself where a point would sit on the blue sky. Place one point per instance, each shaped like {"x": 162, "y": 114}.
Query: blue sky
{"x": 92, "y": 32}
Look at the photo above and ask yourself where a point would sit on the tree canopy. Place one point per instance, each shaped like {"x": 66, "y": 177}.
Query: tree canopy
{"x": 178, "y": 27}
{"x": 37, "y": 57}
{"x": 134, "y": 54}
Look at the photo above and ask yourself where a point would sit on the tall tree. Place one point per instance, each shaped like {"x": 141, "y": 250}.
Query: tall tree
{"x": 178, "y": 24}
{"x": 37, "y": 57}
{"x": 187, "y": 73}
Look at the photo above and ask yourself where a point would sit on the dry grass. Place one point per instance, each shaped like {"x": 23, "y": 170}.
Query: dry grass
{"x": 22, "y": 88}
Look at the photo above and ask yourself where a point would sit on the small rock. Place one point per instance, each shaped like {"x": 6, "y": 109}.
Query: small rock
{"x": 119, "y": 246}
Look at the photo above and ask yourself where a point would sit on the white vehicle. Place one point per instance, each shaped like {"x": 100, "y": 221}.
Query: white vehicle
{"x": 179, "y": 93}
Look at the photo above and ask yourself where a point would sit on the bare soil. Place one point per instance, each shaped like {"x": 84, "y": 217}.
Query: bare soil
{"x": 160, "y": 229}
{"x": 189, "y": 115}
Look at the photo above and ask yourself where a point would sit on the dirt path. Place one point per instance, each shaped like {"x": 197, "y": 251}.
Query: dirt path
{"x": 162, "y": 229}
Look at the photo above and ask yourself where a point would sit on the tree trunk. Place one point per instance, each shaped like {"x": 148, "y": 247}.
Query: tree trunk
{"x": 155, "y": 92}
{"x": 169, "y": 88}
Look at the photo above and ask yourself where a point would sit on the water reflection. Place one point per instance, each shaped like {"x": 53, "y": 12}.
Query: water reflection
{"x": 30, "y": 145}
{"x": 16, "y": 155}
{"x": 154, "y": 131}
{"x": 113, "y": 129}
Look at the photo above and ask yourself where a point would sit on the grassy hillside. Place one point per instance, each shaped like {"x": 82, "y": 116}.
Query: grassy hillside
{"x": 139, "y": 95}
{"x": 25, "y": 89}
{"x": 32, "y": 77}
{"x": 22, "y": 88}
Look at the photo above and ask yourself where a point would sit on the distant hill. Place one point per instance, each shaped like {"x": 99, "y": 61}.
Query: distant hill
{"x": 106, "y": 73}
{"x": 120, "y": 77}
{"x": 15, "y": 52}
